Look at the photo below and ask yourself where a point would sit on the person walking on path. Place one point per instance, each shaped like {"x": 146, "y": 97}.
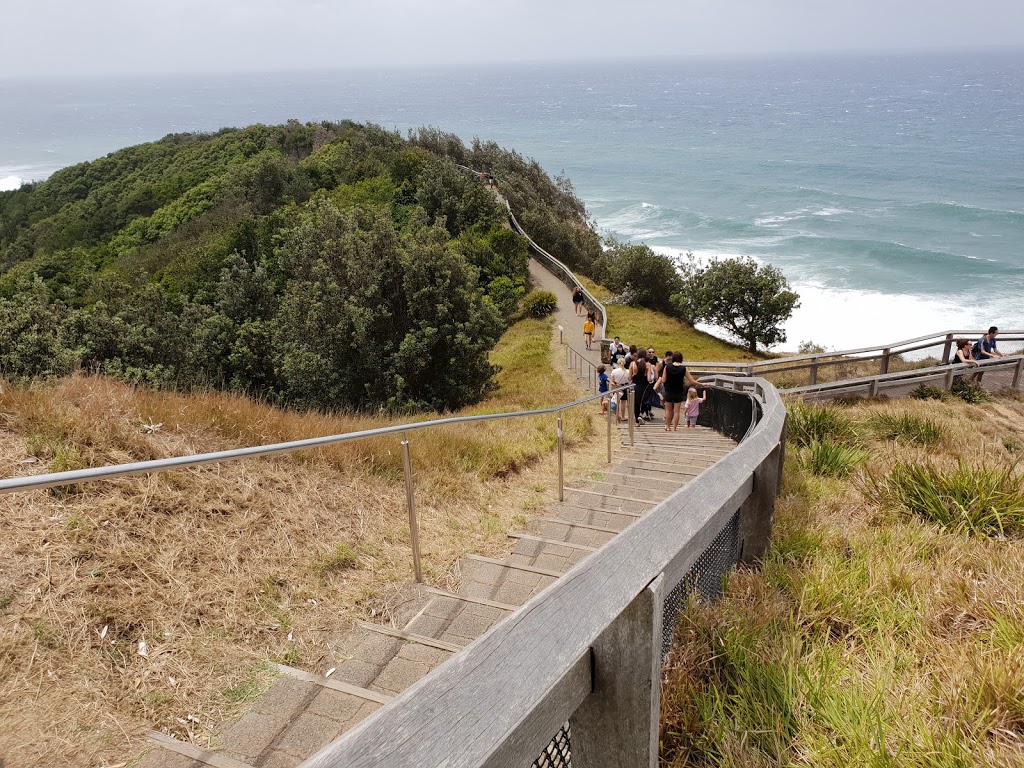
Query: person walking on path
{"x": 577, "y": 301}
{"x": 675, "y": 379}
{"x": 602, "y": 386}
{"x": 693, "y": 406}
{"x": 588, "y": 332}
{"x": 620, "y": 377}
{"x": 638, "y": 375}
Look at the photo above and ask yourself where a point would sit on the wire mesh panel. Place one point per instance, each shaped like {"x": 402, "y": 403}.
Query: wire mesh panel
{"x": 704, "y": 578}
{"x": 558, "y": 753}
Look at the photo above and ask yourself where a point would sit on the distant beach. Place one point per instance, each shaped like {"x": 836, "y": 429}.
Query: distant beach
{"x": 888, "y": 189}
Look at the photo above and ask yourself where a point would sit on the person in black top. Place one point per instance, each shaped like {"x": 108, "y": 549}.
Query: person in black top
{"x": 676, "y": 380}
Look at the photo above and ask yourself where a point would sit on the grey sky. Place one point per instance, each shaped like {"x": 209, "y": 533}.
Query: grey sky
{"x": 64, "y": 37}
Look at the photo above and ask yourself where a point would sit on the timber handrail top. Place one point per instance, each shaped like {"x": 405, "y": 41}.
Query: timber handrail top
{"x": 476, "y": 699}
{"x": 1005, "y": 361}
{"x": 939, "y": 337}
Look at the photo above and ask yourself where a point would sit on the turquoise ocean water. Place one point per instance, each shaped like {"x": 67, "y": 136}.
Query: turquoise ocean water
{"x": 890, "y": 189}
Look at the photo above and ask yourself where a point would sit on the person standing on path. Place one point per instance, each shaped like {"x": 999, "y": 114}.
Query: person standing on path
{"x": 675, "y": 379}
{"x": 638, "y": 375}
{"x": 693, "y": 406}
{"x": 620, "y": 377}
{"x": 577, "y": 301}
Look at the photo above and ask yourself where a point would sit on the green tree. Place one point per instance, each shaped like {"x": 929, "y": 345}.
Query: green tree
{"x": 748, "y": 300}
{"x": 642, "y": 277}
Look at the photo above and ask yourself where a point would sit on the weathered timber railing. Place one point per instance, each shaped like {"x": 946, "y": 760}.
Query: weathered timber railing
{"x": 581, "y": 660}
{"x": 845, "y": 364}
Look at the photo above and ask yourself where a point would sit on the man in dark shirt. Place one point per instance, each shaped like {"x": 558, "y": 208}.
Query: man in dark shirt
{"x": 985, "y": 347}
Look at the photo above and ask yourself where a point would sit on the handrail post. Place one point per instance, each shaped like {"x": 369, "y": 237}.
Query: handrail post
{"x": 630, "y": 394}
{"x": 812, "y": 375}
{"x": 873, "y": 388}
{"x": 1016, "y": 373}
{"x": 611, "y": 414}
{"x": 949, "y": 379}
{"x": 618, "y": 723}
{"x": 884, "y": 367}
{"x": 947, "y": 348}
{"x": 561, "y": 460}
{"x": 757, "y": 513}
{"x": 409, "y": 502}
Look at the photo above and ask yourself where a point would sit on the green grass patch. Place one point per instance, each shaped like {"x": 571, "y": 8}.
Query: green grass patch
{"x": 969, "y": 391}
{"x": 809, "y": 423}
{"x": 645, "y": 327}
{"x": 905, "y": 427}
{"x": 341, "y": 558}
{"x": 971, "y": 498}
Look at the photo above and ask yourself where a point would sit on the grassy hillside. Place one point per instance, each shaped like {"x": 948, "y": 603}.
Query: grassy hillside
{"x": 642, "y": 326}
{"x": 327, "y": 266}
{"x": 218, "y": 570}
{"x": 887, "y": 624}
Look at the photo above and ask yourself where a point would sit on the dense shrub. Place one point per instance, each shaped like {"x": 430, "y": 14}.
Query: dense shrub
{"x": 969, "y": 391}
{"x": 540, "y": 304}
{"x": 809, "y": 423}
{"x": 973, "y": 498}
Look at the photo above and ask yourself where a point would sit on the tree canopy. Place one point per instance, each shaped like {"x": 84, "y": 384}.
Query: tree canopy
{"x": 325, "y": 265}
{"x": 749, "y": 300}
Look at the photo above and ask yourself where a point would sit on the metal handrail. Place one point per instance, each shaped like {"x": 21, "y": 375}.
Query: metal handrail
{"x": 568, "y": 274}
{"x": 50, "y": 480}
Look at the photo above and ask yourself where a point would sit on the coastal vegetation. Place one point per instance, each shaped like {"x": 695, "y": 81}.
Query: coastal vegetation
{"x": 157, "y": 601}
{"x": 885, "y": 625}
{"x": 328, "y": 265}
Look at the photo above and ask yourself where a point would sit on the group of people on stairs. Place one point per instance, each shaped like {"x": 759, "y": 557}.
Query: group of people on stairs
{"x": 665, "y": 382}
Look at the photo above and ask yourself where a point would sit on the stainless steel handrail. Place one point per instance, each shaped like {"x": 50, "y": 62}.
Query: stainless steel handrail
{"x": 568, "y": 273}
{"x": 35, "y": 482}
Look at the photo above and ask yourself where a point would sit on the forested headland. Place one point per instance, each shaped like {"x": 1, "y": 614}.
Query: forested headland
{"x": 322, "y": 265}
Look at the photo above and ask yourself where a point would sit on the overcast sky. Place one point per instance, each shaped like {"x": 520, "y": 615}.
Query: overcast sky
{"x": 85, "y": 37}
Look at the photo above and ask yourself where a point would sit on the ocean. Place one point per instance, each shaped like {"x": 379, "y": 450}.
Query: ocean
{"x": 888, "y": 188}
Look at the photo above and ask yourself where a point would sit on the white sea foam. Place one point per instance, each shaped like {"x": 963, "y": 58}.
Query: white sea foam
{"x": 845, "y": 319}
{"x": 8, "y": 183}
{"x": 831, "y": 211}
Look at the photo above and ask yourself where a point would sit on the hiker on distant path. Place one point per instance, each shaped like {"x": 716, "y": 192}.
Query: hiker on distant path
{"x": 638, "y": 375}
{"x": 985, "y": 347}
{"x": 675, "y": 379}
{"x": 692, "y": 406}
{"x": 577, "y": 301}
{"x": 588, "y": 332}
{"x": 620, "y": 377}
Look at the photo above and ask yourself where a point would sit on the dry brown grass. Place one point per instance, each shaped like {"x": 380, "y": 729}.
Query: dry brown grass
{"x": 869, "y": 637}
{"x": 219, "y": 569}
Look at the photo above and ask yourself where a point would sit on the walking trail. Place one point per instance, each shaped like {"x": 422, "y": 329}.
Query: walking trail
{"x": 302, "y": 712}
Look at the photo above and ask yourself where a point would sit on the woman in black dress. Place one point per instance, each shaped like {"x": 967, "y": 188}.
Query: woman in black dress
{"x": 638, "y": 375}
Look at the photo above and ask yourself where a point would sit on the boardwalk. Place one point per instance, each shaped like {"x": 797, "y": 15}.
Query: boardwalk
{"x": 303, "y": 712}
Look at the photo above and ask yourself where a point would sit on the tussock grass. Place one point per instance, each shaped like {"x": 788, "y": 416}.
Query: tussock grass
{"x": 636, "y": 325}
{"x": 866, "y": 638}
{"x": 830, "y": 458}
{"x": 223, "y": 568}
{"x": 985, "y": 499}
{"x": 809, "y": 423}
{"x": 905, "y": 427}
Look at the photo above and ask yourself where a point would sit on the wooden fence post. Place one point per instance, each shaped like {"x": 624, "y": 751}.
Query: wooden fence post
{"x": 617, "y": 724}
{"x": 1016, "y": 373}
{"x": 884, "y": 367}
{"x": 758, "y": 512}
{"x": 812, "y": 375}
{"x": 947, "y": 348}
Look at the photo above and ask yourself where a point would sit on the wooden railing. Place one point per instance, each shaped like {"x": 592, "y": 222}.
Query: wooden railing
{"x": 811, "y": 369}
{"x": 587, "y": 651}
